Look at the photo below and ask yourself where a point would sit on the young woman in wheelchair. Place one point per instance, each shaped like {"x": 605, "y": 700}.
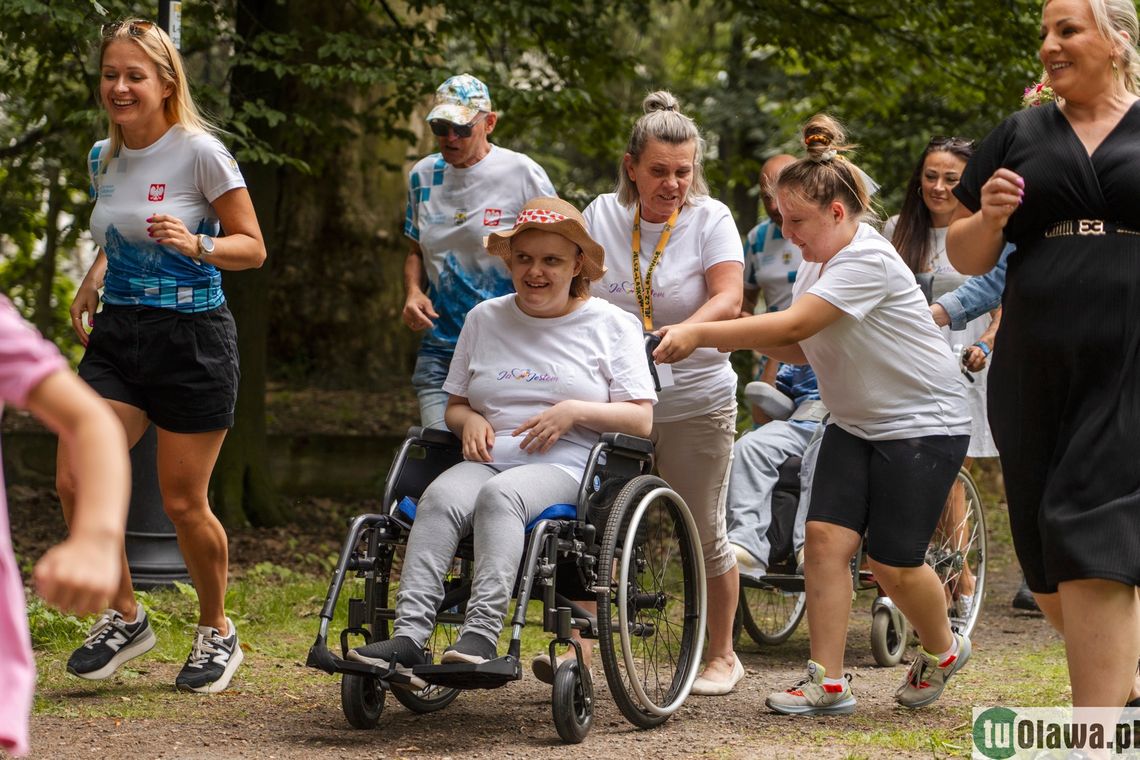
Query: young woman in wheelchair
{"x": 536, "y": 375}
{"x": 899, "y": 424}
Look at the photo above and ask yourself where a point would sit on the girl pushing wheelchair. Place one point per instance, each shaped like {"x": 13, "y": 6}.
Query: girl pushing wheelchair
{"x": 899, "y": 424}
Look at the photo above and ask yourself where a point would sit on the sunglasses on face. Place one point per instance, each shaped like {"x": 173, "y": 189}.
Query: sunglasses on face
{"x": 441, "y": 127}
{"x": 134, "y": 28}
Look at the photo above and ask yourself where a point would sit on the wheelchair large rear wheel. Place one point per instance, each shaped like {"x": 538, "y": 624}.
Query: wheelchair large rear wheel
{"x": 769, "y": 614}
{"x": 446, "y": 631}
{"x": 651, "y": 606}
{"x": 957, "y": 552}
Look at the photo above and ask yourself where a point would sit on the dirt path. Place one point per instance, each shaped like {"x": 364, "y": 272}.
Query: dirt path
{"x": 299, "y": 716}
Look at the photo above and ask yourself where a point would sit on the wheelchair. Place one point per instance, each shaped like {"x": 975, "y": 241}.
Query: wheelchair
{"x": 770, "y": 608}
{"x": 629, "y": 543}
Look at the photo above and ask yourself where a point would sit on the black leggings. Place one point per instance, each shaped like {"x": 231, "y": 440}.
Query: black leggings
{"x": 892, "y": 490}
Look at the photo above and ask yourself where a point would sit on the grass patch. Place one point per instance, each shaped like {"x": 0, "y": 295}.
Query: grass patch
{"x": 277, "y": 613}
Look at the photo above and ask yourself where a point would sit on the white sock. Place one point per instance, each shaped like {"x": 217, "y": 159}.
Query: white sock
{"x": 953, "y": 650}
{"x": 834, "y": 681}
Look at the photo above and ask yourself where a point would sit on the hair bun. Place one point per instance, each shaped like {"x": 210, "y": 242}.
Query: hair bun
{"x": 823, "y": 138}
{"x": 661, "y": 100}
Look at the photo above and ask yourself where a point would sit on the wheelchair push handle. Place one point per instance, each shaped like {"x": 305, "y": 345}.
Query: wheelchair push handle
{"x": 963, "y": 353}
{"x": 651, "y": 343}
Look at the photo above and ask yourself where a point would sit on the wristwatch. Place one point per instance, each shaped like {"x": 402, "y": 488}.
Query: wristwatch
{"x": 205, "y": 247}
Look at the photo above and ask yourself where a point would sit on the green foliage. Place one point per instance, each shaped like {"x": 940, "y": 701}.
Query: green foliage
{"x": 49, "y": 625}
{"x": 897, "y": 71}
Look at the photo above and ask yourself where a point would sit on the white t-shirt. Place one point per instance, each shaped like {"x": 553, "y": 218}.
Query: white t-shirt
{"x": 981, "y": 438}
{"x": 936, "y": 240}
{"x": 180, "y": 174}
{"x": 770, "y": 265}
{"x": 449, "y": 213}
{"x": 511, "y": 366}
{"x": 884, "y": 369}
{"x": 705, "y": 236}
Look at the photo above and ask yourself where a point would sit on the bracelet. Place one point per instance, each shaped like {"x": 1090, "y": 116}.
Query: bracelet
{"x": 984, "y": 346}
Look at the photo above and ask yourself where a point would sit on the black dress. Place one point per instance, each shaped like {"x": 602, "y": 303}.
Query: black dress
{"x": 1064, "y": 388}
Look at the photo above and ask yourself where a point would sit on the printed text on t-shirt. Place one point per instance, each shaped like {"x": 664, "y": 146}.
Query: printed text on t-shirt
{"x": 527, "y": 376}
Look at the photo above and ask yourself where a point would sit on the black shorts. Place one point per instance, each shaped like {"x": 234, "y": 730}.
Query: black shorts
{"x": 180, "y": 368}
{"x": 893, "y": 490}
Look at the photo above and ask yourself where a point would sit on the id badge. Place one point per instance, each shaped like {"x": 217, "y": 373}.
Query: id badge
{"x": 665, "y": 375}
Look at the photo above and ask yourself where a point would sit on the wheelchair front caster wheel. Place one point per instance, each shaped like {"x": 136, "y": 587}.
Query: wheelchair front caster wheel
{"x": 572, "y": 702}
{"x": 362, "y": 700}
{"x": 888, "y": 644}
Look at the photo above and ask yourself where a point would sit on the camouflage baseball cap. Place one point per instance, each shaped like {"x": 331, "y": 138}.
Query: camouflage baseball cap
{"x": 460, "y": 99}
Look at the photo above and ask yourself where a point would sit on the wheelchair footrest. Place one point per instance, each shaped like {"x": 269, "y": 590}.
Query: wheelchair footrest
{"x": 788, "y": 583}
{"x": 321, "y": 658}
{"x": 461, "y": 675}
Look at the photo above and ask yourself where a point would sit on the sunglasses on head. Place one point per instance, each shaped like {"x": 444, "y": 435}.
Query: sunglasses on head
{"x": 134, "y": 28}
{"x": 441, "y": 127}
{"x": 940, "y": 141}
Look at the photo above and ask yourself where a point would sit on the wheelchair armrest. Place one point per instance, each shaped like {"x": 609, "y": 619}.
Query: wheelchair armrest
{"x": 424, "y": 455}
{"x": 771, "y": 400}
{"x": 627, "y": 443}
{"x": 434, "y": 435}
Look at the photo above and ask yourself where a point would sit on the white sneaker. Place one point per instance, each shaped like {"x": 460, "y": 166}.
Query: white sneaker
{"x": 748, "y": 564}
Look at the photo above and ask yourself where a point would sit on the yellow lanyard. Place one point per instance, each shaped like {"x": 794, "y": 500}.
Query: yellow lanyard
{"x": 644, "y": 292}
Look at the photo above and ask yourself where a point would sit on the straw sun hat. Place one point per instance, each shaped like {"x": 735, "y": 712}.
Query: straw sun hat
{"x": 557, "y": 216}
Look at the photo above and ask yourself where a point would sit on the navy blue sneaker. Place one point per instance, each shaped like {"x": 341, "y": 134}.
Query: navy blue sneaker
{"x": 111, "y": 643}
{"x": 212, "y": 661}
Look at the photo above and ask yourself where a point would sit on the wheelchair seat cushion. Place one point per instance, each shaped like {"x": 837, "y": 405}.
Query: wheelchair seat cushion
{"x": 407, "y": 507}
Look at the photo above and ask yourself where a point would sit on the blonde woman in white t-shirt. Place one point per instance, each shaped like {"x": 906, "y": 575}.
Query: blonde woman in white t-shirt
{"x": 163, "y": 350}
{"x": 687, "y": 268}
{"x": 899, "y": 422}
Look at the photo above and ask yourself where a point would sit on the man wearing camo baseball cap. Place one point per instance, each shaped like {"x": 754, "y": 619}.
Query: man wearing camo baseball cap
{"x": 456, "y": 197}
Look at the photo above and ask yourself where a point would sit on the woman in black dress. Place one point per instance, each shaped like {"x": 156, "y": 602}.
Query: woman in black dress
{"x": 1062, "y": 182}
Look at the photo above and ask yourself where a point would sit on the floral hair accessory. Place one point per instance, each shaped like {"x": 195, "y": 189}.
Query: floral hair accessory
{"x": 1038, "y": 95}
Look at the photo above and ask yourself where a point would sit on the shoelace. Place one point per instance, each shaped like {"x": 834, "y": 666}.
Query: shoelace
{"x": 204, "y": 648}
{"x": 917, "y": 670}
{"x": 806, "y": 680}
{"x": 103, "y": 628}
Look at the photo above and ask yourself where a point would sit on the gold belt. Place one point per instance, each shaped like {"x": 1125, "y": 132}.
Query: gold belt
{"x": 1087, "y": 227}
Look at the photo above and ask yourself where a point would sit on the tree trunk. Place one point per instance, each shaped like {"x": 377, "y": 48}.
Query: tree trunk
{"x": 43, "y": 317}
{"x": 241, "y": 488}
{"x": 739, "y": 146}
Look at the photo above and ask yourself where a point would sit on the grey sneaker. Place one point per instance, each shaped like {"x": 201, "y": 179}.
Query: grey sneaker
{"x": 927, "y": 676}
{"x": 812, "y": 696}
{"x": 398, "y": 653}
{"x": 471, "y": 648}
{"x": 111, "y": 643}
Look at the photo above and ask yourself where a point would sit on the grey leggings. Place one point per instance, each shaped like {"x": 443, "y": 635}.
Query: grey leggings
{"x": 497, "y": 506}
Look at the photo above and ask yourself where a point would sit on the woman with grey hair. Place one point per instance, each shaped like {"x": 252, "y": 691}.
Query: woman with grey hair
{"x": 1060, "y": 182}
{"x": 676, "y": 256}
